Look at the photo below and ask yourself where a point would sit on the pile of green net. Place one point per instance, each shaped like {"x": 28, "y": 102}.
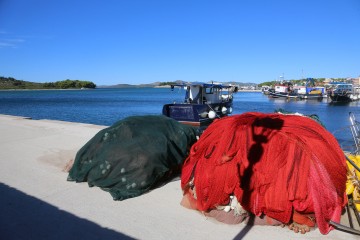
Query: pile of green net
{"x": 133, "y": 155}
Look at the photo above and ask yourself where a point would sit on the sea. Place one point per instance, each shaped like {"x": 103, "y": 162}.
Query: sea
{"x": 104, "y": 106}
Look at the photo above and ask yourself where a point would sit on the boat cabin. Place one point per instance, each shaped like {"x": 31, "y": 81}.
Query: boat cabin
{"x": 341, "y": 87}
{"x": 199, "y": 93}
{"x": 283, "y": 89}
{"x": 310, "y": 90}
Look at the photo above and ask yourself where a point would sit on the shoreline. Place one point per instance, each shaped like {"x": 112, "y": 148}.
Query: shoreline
{"x": 33, "y": 154}
{"x": 74, "y": 89}
{"x": 48, "y": 89}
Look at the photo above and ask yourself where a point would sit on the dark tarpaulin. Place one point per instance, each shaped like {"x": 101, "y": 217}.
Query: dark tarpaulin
{"x": 133, "y": 155}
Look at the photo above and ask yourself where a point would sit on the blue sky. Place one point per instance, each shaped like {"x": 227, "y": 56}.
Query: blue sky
{"x": 144, "y": 41}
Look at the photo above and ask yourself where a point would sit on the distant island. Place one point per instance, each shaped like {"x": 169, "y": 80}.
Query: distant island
{"x": 12, "y": 83}
{"x": 168, "y": 84}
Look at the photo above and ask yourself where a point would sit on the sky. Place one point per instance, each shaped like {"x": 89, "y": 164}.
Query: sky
{"x": 144, "y": 41}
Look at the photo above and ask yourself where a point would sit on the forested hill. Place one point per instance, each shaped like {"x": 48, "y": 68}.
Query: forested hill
{"x": 12, "y": 83}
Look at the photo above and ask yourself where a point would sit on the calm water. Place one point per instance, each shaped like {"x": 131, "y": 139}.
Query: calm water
{"x": 106, "y": 106}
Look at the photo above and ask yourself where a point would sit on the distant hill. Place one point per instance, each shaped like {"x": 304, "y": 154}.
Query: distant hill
{"x": 157, "y": 84}
{"x": 242, "y": 84}
{"x": 12, "y": 83}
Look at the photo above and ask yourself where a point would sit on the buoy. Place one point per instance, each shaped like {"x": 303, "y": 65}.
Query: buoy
{"x": 211, "y": 114}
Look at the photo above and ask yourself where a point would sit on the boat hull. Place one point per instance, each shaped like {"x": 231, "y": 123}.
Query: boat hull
{"x": 311, "y": 96}
{"x": 283, "y": 95}
{"x": 196, "y": 114}
{"x": 340, "y": 98}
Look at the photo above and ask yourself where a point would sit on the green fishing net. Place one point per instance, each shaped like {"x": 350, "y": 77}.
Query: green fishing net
{"x": 133, "y": 155}
{"x": 312, "y": 116}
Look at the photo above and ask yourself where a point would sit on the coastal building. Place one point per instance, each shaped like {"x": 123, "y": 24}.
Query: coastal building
{"x": 327, "y": 81}
{"x": 355, "y": 81}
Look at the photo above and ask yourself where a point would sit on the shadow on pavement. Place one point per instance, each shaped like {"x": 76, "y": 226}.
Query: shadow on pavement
{"x": 26, "y": 217}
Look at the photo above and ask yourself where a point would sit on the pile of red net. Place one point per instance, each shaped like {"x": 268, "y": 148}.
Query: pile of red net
{"x": 273, "y": 163}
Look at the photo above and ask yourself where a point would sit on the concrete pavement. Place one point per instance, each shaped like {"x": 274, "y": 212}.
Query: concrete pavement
{"x": 38, "y": 203}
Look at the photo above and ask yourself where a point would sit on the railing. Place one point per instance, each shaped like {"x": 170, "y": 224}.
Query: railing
{"x": 354, "y": 127}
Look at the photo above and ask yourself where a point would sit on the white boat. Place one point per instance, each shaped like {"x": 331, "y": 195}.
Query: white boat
{"x": 265, "y": 89}
{"x": 203, "y": 103}
{"x": 284, "y": 91}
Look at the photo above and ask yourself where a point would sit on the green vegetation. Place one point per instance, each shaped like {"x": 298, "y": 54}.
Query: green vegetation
{"x": 12, "y": 83}
{"x": 166, "y": 83}
{"x": 66, "y": 84}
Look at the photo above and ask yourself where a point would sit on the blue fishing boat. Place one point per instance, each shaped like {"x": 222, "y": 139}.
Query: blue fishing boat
{"x": 307, "y": 93}
{"x": 311, "y": 91}
{"x": 203, "y": 103}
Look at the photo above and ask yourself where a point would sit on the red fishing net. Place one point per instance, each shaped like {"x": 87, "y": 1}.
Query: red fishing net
{"x": 274, "y": 164}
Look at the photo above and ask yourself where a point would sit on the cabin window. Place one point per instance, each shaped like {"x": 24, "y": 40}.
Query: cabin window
{"x": 209, "y": 90}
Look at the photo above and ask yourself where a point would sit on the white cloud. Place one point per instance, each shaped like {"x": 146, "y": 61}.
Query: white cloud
{"x": 11, "y": 43}
{"x": 10, "y": 40}
{"x": 6, "y": 44}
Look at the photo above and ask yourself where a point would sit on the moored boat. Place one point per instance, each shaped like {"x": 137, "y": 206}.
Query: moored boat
{"x": 203, "y": 103}
{"x": 342, "y": 92}
{"x": 306, "y": 92}
{"x": 284, "y": 91}
{"x": 266, "y": 89}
